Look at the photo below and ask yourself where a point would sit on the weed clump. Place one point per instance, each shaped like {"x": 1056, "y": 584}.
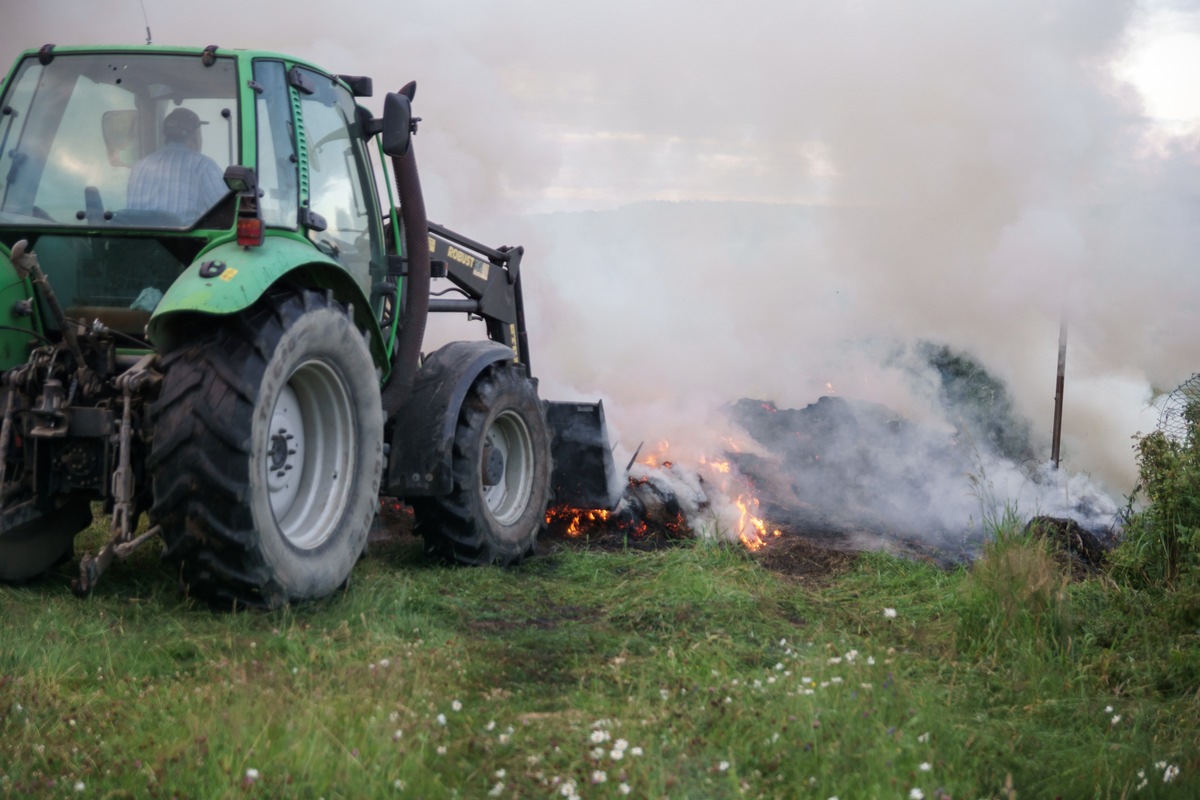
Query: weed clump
{"x": 1014, "y": 602}
{"x": 1162, "y": 541}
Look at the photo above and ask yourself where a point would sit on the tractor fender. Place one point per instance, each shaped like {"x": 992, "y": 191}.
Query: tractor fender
{"x": 226, "y": 279}
{"x": 422, "y": 441}
{"x": 17, "y": 328}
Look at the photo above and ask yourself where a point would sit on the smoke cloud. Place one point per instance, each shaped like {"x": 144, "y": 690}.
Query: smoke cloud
{"x": 770, "y": 199}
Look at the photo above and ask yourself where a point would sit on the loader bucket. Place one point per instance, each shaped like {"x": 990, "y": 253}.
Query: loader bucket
{"x": 584, "y": 473}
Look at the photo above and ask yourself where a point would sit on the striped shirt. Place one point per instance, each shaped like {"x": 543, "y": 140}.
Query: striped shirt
{"x": 177, "y": 179}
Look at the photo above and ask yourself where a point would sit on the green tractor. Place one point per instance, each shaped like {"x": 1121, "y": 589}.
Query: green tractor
{"x": 208, "y": 316}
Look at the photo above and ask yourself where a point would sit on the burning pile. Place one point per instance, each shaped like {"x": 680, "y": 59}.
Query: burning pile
{"x": 664, "y": 502}
{"x": 853, "y": 475}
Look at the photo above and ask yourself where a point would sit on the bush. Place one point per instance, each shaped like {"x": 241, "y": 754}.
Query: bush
{"x": 1162, "y": 540}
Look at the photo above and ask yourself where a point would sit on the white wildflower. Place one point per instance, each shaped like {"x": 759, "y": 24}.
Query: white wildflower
{"x": 599, "y": 736}
{"x": 890, "y": 613}
{"x": 456, "y": 705}
{"x": 441, "y": 719}
{"x": 625, "y": 788}
{"x": 79, "y": 786}
{"x": 923, "y": 738}
{"x": 496, "y": 790}
{"x": 925, "y": 766}
{"x": 635, "y": 751}
{"x": 723, "y": 766}
{"x": 1170, "y": 773}
{"x": 251, "y": 774}
{"x": 599, "y": 776}
{"x": 916, "y": 794}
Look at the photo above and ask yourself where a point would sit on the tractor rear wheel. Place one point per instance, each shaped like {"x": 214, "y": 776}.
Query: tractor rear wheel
{"x": 501, "y": 468}
{"x": 267, "y": 453}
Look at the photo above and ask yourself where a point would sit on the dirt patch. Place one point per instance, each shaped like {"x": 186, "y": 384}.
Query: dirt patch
{"x": 804, "y": 559}
{"x": 550, "y": 617}
{"x": 813, "y": 558}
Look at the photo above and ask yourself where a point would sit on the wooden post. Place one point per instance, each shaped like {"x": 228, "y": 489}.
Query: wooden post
{"x": 1056, "y": 436}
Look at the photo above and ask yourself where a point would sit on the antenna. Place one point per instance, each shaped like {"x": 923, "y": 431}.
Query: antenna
{"x": 147, "y": 19}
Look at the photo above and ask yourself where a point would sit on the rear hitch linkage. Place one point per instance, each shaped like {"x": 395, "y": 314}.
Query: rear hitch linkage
{"x": 137, "y": 379}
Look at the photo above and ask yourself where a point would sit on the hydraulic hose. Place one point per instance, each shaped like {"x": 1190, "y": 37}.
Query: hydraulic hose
{"x": 407, "y": 353}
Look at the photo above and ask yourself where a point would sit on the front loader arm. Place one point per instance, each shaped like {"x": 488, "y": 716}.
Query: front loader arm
{"x": 492, "y": 287}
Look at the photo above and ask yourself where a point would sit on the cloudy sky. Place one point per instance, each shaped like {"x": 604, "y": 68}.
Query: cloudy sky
{"x": 768, "y": 198}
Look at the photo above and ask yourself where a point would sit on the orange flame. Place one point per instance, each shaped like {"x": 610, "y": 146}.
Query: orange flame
{"x": 752, "y": 529}
{"x": 575, "y": 518}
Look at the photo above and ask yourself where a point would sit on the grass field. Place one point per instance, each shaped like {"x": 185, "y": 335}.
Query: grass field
{"x": 688, "y": 672}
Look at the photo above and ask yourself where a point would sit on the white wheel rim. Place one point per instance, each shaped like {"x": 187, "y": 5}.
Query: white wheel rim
{"x": 310, "y": 447}
{"x": 509, "y": 437}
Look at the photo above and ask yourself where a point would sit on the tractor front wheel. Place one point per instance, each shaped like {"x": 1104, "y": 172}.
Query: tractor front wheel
{"x": 267, "y": 453}
{"x": 501, "y": 468}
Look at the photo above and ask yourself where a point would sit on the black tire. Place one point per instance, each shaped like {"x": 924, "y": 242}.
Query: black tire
{"x": 501, "y": 466}
{"x": 267, "y": 453}
{"x": 34, "y": 542}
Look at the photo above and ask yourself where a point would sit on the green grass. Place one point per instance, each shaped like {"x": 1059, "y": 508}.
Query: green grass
{"x": 686, "y": 673}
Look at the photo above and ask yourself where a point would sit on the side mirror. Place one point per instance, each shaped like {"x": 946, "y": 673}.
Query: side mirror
{"x": 120, "y": 137}
{"x": 398, "y": 121}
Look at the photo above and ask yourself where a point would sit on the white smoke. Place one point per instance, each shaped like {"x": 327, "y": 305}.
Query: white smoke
{"x": 761, "y": 199}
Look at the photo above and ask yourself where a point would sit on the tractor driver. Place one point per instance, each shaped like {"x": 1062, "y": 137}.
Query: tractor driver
{"x": 177, "y": 177}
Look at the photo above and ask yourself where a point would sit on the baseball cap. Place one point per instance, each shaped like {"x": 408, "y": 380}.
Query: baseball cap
{"x": 179, "y": 123}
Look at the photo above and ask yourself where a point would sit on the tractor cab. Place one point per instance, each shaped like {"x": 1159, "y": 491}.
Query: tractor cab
{"x": 114, "y": 166}
{"x": 101, "y": 154}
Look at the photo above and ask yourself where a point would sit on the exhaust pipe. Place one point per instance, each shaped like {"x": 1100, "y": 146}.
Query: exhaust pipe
{"x": 407, "y": 354}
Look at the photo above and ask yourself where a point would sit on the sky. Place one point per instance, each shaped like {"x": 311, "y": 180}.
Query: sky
{"x": 774, "y": 199}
